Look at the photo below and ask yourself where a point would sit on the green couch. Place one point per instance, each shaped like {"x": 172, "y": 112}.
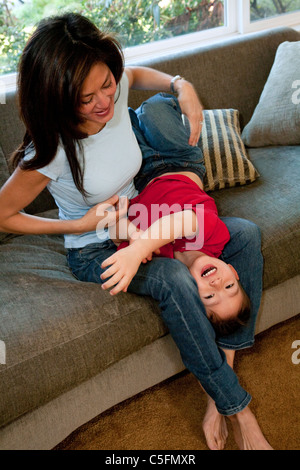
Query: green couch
{"x": 66, "y": 365}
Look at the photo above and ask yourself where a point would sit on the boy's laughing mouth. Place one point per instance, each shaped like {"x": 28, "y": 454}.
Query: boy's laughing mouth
{"x": 208, "y": 271}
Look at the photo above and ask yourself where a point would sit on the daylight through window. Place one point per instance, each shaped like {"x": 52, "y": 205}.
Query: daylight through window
{"x": 262, "y": 9}
{"x": 144, "y": 23}
{"x": 135, "y": 22}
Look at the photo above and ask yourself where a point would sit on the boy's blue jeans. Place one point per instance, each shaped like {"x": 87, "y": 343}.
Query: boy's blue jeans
{"x": 163, "y": 139}
{"x": 170, "y": 283}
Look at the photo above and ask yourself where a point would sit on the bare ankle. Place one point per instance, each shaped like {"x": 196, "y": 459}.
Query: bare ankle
{"x": 247, "y": 431}
{"x": 245, "y": 414}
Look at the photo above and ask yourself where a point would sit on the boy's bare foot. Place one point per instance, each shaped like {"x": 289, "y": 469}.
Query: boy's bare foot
{"x": 214, "y": 427}
{"x": 247, "y": 432}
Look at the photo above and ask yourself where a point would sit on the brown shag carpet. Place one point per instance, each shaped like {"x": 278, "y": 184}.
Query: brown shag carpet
{"x": 169, "y": 415}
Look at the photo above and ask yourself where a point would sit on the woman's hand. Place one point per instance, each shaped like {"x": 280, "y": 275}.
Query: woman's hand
{"x": 191, "y": 107}
{"x": 144, "y": 78}
{"x": 104, "y": 214}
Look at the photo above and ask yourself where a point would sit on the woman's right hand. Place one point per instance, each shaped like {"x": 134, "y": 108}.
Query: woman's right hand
{"x": 104, "y": 214}
{"x": 24, "y": 186}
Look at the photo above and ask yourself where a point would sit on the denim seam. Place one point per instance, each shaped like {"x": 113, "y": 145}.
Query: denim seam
{"x": 236, "y": 409}
{"x": 247, "y": 344}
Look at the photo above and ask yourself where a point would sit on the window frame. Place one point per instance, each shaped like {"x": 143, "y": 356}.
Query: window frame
{"x": 247, "y": 26}
{"x": 237, "y": 23}
{"x": 186, "y": 41}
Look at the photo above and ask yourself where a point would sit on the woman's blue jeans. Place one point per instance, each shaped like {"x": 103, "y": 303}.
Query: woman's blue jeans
{"x": 170, "y": 283}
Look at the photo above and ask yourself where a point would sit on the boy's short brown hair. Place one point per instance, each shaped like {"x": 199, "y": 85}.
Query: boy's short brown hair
{"x": 229, "y": 326}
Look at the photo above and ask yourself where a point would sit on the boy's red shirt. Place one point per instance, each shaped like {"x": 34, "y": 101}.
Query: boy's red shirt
{"x": 179, "y": 192}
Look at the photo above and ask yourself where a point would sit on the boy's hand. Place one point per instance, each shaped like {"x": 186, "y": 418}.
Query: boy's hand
{"x": 122, "y": 267}
{"x": 135, "y": 236}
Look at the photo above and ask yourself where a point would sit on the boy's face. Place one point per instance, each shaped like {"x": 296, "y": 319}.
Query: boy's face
{"x": 218, "y": 287}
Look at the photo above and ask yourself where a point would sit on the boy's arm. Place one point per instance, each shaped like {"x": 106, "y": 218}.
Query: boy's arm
{"x": 123, "y": 265}
{"x": 121, "y": 231}
{"x": 124, "y": 230}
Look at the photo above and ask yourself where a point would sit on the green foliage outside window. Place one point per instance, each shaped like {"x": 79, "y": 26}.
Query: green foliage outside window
{"x": 261, "y": 9}
{"x": 133, "y": 21}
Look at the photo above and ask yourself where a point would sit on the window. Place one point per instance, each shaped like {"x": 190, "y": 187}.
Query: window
{"x": 262, "y": 9}
{"x": 256, "y": 15}
{"x": 145, "y": 27}
{"x": 135, "y": 22}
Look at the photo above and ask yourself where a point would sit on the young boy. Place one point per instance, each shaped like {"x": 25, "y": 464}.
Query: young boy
{"x": 177, "y": 218}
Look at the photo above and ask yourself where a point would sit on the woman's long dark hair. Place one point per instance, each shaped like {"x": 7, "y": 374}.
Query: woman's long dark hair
{"x": 53, "y": 66}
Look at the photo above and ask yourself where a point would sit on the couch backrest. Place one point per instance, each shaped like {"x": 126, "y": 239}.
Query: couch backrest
{"x": 11, "y": 135}
{"x": 230, "y": 75}
{"x": 4, "y": 174}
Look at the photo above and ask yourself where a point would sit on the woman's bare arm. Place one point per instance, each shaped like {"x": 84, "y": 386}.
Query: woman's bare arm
{"x": 144, "y": 78}
{"x": 22, "y": 188}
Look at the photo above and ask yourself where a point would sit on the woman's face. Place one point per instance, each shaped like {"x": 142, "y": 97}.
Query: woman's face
{"x": 97, "y": 98}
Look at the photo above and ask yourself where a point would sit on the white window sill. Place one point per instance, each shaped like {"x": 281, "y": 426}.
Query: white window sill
{"x": 158, "y": 49}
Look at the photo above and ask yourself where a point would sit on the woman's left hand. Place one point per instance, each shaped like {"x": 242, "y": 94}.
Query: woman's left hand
{"x": 145, "y": 78}
{"x": 191, "y": 107}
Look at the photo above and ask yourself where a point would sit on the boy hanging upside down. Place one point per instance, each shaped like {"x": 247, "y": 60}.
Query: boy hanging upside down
{"x": 177, "y": 219}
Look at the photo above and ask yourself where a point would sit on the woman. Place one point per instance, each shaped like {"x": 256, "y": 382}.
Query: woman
{"x": 79, "y": 142}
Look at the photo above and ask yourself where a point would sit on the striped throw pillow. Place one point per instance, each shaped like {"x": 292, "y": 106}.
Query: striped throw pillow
{"x": 225, "y": 156}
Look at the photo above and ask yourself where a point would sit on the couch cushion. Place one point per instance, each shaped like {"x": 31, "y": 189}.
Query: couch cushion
{"x": 276, "y": 119}
{"x": 272, "y": 202}
{"x": 59, "y": 331}
{"x": 225, "y": 157}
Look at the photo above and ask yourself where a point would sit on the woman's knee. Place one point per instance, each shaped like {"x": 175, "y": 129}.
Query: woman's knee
{"x": 178, "y": 278}
{"x": 164, "y": 278}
